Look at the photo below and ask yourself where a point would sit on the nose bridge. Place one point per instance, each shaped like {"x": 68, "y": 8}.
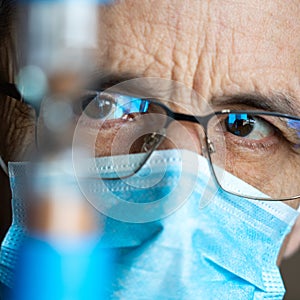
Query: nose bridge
{"x": 187, "y": 134}
{"x": 201, "y": 120}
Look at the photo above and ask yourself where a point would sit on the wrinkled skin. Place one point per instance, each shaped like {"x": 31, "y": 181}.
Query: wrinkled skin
{"x": 218, "y": 48}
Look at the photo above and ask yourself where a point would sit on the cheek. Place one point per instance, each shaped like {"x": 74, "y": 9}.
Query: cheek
{"x": 120, "y": 139}
{"x": 276, "y": 173}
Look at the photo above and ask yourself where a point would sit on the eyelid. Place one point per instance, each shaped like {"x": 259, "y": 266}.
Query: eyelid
{"x": 289, "y": 133}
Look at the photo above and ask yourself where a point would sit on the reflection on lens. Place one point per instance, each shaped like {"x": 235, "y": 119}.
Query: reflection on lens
{"x": 239, "y": 124}
{"x": 262, "y": 150}
{"x": 123, "y": 125}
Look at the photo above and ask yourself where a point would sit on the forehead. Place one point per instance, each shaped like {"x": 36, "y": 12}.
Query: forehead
{"x": 215, "y": 47}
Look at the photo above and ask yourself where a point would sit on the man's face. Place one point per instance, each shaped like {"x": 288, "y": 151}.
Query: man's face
{"x": 223, "y": 50}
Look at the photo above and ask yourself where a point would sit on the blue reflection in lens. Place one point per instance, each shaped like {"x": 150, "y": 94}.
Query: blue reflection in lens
{"x": 129, "y": 105}
{"x": 232, "y": 118}
{"x": 294, "y": 124}
{"x": 240, "y": 124}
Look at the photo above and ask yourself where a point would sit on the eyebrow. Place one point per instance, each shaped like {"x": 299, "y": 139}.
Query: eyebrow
{"x": 275, "y": 102}
{"x": 135, "y": 88}
{"x": 280, "y": 102}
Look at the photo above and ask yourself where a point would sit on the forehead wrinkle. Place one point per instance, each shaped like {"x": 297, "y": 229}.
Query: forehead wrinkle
{"x": 212, "y": 68}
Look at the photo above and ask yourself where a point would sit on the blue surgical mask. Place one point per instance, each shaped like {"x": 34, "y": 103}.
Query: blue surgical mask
{"x": 187, "y": 247}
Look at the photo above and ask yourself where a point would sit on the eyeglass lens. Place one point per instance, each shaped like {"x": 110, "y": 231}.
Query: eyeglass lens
{"x": 262, "y": 150}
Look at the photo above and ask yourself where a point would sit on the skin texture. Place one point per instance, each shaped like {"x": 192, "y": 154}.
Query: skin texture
{"x": 220, "y": 49}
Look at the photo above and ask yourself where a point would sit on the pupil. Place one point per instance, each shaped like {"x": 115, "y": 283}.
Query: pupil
{"x": 240, "y": 124}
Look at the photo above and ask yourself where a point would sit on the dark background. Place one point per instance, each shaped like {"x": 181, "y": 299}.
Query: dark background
{"x": 290, "y": 268}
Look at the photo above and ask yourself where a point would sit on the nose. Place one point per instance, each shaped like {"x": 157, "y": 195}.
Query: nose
{"x": 184, "y": 135}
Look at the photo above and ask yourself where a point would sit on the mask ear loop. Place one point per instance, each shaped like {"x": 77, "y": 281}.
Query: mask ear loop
{"x": 3, "y": 166}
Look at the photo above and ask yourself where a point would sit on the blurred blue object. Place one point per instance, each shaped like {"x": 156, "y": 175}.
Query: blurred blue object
{"x": 79, "y": 270}
{"x": 70, "y": 1}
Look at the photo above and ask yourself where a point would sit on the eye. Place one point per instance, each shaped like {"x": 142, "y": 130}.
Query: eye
{"x": 248, "y": 126}
{"x": 103, "y": 105}
{"x": 98, "y": 105}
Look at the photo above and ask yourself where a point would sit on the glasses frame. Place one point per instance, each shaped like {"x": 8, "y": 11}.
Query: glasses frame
{"x": 10, "y": 90}
{"x": 204, "y": 121}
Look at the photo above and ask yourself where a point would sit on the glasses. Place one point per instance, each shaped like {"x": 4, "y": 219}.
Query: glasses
{"x": 259, "y": 147}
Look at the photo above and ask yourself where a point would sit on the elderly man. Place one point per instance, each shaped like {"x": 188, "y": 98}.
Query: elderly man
{"x": 240, "y": 56}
